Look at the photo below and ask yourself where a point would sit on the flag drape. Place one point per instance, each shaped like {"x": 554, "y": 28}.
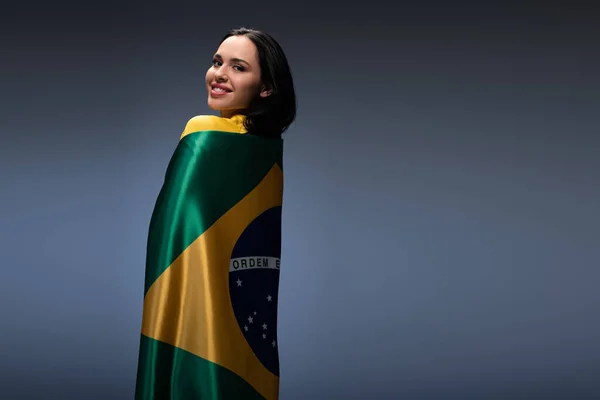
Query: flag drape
{"x": 209, "y": 323}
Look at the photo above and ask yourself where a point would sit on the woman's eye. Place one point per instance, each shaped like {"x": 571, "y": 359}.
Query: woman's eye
{"x": 218, "y": 63}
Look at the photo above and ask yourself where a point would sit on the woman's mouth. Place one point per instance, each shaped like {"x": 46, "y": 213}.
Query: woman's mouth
{"x": 219, "y": 90}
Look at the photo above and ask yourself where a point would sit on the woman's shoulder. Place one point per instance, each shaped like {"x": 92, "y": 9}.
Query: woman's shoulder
{"x": 199, "y": 123}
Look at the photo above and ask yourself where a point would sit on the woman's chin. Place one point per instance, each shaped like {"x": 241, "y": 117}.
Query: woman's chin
{"x": 215, "y": 104}
{"x": 218, "y": 105}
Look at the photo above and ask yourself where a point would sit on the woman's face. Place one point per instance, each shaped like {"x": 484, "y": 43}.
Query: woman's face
{"x": 233, "y": 80}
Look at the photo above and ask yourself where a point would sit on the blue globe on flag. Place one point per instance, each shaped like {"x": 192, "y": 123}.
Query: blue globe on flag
{"x": 254, "y": 284}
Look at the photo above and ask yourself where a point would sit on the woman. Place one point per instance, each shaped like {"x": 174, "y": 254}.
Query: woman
{"x": 250, "y": 76}
{"x": 213, "y": 256}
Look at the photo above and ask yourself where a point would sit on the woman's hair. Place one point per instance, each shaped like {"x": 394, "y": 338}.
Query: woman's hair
{"x": 272, "y": 115}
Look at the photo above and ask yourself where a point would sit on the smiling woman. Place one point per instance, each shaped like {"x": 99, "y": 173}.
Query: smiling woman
{"x": 234, "y": 79}
{"x": 250, "y": 76}
{"x": 209, "y": 323}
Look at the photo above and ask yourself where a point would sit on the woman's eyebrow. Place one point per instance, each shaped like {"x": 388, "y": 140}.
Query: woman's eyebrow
{"x": 239, "y": 60}
{"x": 234, "y": 59}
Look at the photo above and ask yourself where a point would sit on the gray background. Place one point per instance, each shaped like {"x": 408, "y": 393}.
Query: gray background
{"x": 441, "y": 217}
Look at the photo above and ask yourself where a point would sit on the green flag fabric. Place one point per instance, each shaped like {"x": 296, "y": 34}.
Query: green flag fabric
{"x": 209, "y": 324}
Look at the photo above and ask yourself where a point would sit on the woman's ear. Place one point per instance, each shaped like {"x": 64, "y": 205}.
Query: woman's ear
{"x": 265, "y": 92}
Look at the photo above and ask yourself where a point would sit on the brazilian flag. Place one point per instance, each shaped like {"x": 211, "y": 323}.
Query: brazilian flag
{"x": 209, "y": 325}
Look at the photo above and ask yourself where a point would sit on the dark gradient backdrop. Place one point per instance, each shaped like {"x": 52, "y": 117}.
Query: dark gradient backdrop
{"x": 441, "y": 217}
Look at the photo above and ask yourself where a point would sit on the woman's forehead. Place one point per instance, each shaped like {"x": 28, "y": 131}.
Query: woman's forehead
{"x": 239, "y": 47}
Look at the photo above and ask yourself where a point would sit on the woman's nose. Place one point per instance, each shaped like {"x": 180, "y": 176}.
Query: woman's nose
{"x": 219, "y": 75}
